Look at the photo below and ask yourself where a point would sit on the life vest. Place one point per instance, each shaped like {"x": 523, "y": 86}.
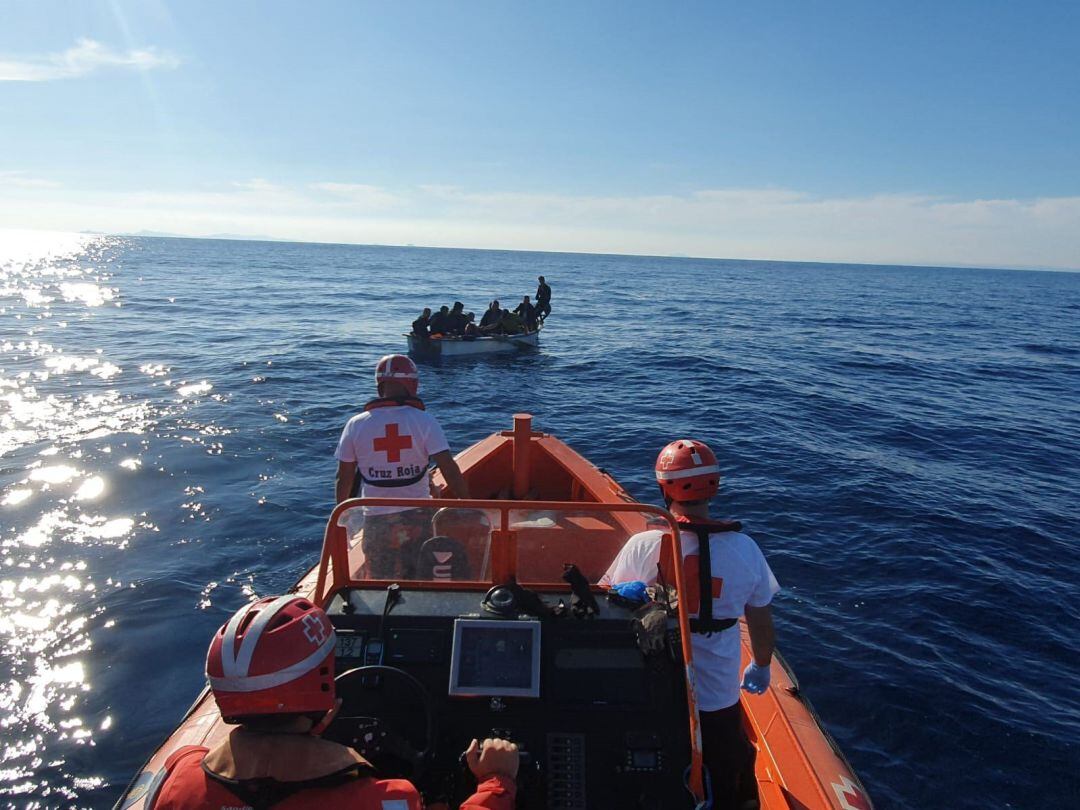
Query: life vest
{"x": 705, "y": 623}
{"x": 391, "y": 402}
{"x": 443, "y": 558}
{"x": 394, "y": 402}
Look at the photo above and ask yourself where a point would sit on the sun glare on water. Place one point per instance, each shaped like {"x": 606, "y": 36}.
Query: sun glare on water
{"x": 56, "y": 408}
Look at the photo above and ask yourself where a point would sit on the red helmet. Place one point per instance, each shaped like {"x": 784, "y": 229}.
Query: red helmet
{"x": 686, "y": 470}
{"x": 400, "y": 369}
{"x": 274, "y": 656}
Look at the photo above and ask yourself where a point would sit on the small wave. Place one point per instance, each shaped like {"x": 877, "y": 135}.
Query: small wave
{"x": 898, "y": 366}
{"x": 843, "y": 320}
{"x": 1050, "y": 349}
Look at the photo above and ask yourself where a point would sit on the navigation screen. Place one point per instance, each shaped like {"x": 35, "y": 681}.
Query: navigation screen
{"x": 493, "y": 657}
{"x": 348, "y": 645}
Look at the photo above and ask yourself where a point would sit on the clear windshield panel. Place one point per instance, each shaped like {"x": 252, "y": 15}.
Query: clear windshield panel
{"x": 548, "y": 540}
{"x": 427, "y": 543}
{"x": 447, "y": 543}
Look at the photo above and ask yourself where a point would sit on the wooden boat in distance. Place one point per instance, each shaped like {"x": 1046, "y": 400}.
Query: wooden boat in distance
{"x": 465, "y": 347}
{"x": 456, "y": 652}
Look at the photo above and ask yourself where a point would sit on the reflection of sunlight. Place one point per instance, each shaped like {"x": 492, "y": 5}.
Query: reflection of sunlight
{"x": 30, "y": 418}
{"x": 22, "y": 621}
{"x": 65, "y": 363}
{"x": 16, "y": 496}
{"x": 90, "y": 294}
{"x": 40, "y": 534}
{"x": 91, "y": 488}
{"x": 53, "y": 475}
{"x": 112, "y": 529}
{"x": 106, "y": 370}
{"x": 20, "y": 248}
{"x": 48, "y": 601}
{"x": 56, "y": 525}
{"x": 37, "y": 702}
{"x": 36, "y": 298}
{"x": 194, "y": 389}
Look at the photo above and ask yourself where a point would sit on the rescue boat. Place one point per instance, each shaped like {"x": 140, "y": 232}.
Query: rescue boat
{"x": 495, "y": 633}
{"x": 456, "y": 346}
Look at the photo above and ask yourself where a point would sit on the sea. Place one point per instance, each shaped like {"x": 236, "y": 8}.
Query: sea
{"x": 902, "y": 442}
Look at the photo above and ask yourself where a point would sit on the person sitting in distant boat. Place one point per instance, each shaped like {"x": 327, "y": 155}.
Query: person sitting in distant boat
{"x": 440, "y": 322}
{"x": 722, "y": 562}
{"x": 490, "y": 320}
{"x": 511, "y": 323}
{"x": 543, "y": 299}
{"x": 271, "y": 671}
{"x": 420, "y": 327}
{"x": 456, "y": 320}
{"x": 527, "y": 312}
{"x": 471, "y": 331}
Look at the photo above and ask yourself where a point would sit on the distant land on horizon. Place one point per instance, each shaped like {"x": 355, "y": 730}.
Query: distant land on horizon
{"x": 233, "y": 237}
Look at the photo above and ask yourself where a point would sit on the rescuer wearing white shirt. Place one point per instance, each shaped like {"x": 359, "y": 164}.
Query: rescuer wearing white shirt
{"x": 389, "y": 447}
{"x": 740, "y": 582}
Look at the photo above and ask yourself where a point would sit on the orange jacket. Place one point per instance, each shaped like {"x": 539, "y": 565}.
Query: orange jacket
{"x": 292, "y": 772}
{"x": 189, "y": 787}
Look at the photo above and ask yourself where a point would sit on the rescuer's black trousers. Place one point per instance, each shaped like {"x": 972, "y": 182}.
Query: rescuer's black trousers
{"x": 729, "y": 759}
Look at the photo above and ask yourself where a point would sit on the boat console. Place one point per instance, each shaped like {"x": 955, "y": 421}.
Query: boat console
{"x": 599, "y": 722}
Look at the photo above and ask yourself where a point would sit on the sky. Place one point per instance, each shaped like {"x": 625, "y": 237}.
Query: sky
{"x": 941, "y": 133}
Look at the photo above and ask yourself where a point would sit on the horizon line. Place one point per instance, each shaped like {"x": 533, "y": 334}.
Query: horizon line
{"x": 256, "y": 238}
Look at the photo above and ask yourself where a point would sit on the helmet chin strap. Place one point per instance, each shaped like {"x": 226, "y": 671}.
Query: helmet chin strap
{"x": 327, "y": 719}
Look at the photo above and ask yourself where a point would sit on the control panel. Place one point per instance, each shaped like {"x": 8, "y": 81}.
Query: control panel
{"x": 603, "y": 724}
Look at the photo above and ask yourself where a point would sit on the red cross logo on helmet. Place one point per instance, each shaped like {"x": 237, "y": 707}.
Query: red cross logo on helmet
{"x": 314, "y": 630}
{"x": 400, "y": 369}
{"x": 686, "y": 470}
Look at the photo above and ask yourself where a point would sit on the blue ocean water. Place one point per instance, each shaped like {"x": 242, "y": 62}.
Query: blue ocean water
{"x": 904, "y": 444}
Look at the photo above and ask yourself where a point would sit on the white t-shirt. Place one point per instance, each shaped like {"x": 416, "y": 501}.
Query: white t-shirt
{"x": 741, "y": 577}
{"x": 391, "y": 444}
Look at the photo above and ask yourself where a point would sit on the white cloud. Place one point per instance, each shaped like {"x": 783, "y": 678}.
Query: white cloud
{"x": 766, "y": 223}
{"x": 83, "y": 58}
{"x": 258, "y": 185}
{"x": 20, "y": 179}
{"x": 359, "y": 194}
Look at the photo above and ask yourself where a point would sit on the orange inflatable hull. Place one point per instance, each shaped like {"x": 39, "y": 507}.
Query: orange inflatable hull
{"x": 799, "y": 767}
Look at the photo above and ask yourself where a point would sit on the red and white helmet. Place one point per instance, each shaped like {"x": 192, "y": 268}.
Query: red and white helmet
{"x": 400, "y": 369}
{"x": 274, "y": 656}
{"x": 686, "y": 470}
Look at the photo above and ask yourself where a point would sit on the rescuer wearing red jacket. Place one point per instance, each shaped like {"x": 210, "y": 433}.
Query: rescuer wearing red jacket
{"x": 271, "y": 669}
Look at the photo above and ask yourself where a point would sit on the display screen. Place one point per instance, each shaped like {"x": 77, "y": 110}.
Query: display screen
{"x": 349, "y": 645}
{"x": 495, "y": 658}
{"x": 644, "y": 759}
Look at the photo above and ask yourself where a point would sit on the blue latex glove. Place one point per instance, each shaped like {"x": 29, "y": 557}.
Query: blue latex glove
{"x": 634, "y": 591}
{"x": 755, "y": 679}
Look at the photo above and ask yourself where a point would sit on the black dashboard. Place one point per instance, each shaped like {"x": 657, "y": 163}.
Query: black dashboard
{"x": 600, "y": 724}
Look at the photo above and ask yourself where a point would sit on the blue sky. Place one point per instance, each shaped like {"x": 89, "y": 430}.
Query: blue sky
{"x": 921, "y": 132}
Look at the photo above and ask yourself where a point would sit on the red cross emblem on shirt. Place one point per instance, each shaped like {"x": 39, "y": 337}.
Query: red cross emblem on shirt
{"x": 392, "y": 444}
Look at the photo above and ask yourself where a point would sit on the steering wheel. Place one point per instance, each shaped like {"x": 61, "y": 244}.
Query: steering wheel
{"x": 375, "y": 736}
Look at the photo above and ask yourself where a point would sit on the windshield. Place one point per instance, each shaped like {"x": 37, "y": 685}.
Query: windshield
{"x": 478, "y": 543}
